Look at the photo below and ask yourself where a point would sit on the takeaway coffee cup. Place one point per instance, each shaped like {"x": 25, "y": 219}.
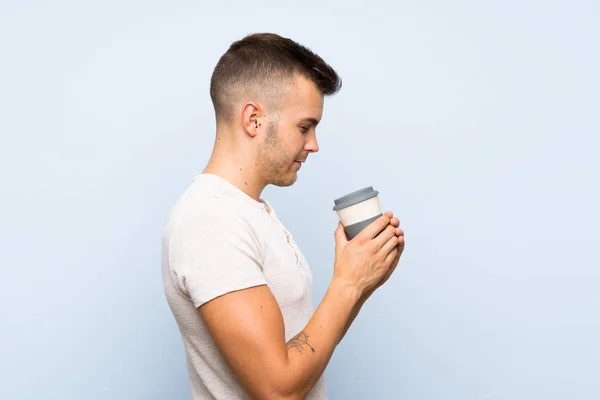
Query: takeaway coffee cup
{"x": 357, "y": 210}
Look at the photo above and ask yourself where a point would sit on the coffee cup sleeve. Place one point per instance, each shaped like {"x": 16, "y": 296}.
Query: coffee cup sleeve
{"x": 355, "y": 229}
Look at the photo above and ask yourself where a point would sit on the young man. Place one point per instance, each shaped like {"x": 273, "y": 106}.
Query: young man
{"x": 237, "y": 283}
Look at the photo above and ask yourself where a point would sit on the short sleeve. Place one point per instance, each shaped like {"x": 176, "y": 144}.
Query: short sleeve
{"x": 214, "y": 252}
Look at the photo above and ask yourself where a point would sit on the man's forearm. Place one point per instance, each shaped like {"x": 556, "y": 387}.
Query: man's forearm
{"x": 309, "y": 352}
{"x": 355, "y": 312}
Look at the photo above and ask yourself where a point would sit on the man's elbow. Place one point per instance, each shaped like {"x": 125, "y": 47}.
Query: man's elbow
{"x": 281, "y": 382}
{"x": 283, "y": 393}
{"x": 282, "y": 389}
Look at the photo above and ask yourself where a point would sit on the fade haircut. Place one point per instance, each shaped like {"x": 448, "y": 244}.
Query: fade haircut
{"x": 263, "y": 65}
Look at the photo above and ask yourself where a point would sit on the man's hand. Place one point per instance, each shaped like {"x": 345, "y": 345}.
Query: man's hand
{"x": 400, "y": 234}
{"x": 363, "y": 261}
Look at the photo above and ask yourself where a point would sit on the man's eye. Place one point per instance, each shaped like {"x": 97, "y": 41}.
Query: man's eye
{"x": 304, "y": 129}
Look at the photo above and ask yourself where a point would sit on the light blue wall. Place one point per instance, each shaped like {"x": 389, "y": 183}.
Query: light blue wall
{"x": 478, "y": 123}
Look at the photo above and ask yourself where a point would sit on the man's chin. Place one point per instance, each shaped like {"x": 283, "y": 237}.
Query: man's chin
{"x": 289, "y": 181}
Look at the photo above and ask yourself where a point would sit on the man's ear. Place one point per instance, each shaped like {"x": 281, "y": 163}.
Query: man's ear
{"x": 251, "y": 118}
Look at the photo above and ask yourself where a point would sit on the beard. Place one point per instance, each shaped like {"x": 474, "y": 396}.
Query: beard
{"x": 276, "y": 165}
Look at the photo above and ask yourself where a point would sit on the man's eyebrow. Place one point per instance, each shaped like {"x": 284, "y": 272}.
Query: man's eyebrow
{"x": 313, "y": 121}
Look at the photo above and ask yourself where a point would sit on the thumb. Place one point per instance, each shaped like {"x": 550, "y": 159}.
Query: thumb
{"x": 340, "y": 236}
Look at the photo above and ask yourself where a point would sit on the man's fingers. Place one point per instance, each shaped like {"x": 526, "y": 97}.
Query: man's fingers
{"x": 393, "y": 258}
{"x": 390, "y": 245}
{"x": 375, "y": 227}
{"x": 390, "y": 260}
{"x": 397, "y": 259}
{"x": 340, "y": 235}
{"x": 387, "y": 234}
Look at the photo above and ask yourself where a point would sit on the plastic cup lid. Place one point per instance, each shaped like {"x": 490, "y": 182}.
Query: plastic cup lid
{"x": 355, "y": 198}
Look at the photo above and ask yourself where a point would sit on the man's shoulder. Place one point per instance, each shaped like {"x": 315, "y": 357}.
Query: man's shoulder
{"x": 206, "y": 209}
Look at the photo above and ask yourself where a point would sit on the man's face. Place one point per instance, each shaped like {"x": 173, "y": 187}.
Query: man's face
{"x": 291, "y": 136}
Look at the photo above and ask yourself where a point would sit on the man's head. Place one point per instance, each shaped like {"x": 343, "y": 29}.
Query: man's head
{"x": 268, "y": 93}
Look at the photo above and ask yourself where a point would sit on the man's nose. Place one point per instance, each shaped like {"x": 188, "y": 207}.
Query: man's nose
{"x": 312, "y": 145}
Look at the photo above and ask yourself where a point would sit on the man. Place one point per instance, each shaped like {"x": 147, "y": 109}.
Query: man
{"x": 237, "y": 283}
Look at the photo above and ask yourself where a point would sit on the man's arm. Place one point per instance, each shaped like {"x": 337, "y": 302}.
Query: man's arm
{"x": 248, "y": 329}
{"x": 355, "y": 312}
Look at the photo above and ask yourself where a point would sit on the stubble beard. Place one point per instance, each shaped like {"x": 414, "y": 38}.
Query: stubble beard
{"x": 275, "y": 163}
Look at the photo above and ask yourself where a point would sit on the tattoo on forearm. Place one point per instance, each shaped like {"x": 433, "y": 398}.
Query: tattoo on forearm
{"x": 298, "y": 342}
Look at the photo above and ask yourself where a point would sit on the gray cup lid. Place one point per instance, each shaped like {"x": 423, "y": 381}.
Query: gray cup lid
{"x": 354, "y": 198}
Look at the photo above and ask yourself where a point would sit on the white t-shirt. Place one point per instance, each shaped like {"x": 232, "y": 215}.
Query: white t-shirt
{"x": 217, "y": 240}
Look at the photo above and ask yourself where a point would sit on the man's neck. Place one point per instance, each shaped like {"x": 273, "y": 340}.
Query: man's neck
{"x": 242, "y": 175}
